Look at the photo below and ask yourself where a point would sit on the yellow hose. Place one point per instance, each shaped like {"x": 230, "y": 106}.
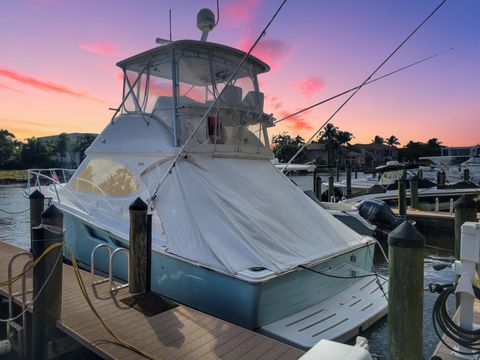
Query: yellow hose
{"x": 83, "y": 289}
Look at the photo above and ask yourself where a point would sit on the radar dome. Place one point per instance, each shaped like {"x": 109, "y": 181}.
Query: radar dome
{"x": 205, "y": 22}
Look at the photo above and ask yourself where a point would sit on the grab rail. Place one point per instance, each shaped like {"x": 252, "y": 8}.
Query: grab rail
{"x": 92, "y": 263}
{"x": 55, "y": 183}
{"x": 114, "y": 287}
{"x": 23, "y": 292}
{"x": 111, "y": 256}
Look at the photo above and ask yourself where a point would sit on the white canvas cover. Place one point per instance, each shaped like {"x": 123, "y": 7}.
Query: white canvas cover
{"x": 234, "y": 214}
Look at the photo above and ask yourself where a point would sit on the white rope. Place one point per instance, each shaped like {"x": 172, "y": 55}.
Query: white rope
{"x": 51, "y": 228}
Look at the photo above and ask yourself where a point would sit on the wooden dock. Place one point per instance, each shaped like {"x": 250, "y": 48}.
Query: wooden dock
{"x": 178, "y": 333}
{"x": 445, "y": 353}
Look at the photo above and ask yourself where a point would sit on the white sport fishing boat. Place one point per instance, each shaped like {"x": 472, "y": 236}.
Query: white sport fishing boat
{"x": 232, "y": 236}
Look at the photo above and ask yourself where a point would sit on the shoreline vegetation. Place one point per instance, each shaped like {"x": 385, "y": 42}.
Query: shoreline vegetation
{"x": 8, "y": 177}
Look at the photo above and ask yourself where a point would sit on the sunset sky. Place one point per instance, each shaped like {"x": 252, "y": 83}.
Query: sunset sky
{"x": 58, "y": 73}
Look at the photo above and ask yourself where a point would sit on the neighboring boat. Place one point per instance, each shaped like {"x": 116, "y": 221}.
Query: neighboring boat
{"x": 294, "y": 168}
{"x": 472, "y": 165}
{"x": 232, "y": 236}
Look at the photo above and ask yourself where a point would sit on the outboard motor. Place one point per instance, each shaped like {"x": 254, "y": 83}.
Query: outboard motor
{"x": 338, "y": 193}
{"x": 379, "y": 214}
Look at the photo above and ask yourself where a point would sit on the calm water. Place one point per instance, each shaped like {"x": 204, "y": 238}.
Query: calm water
{"x": 14, "y": 230}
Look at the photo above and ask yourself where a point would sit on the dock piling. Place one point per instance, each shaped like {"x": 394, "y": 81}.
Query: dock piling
{"x": 414, "y": 193}
{"x": 47, "y": 274}
{"x": 402, "y": 196}
{"x": 349, "y": 180}
{"x": 465, "y": 210}
{"x": 331, "y": 190}
{"x": 405, "y": 292}
{"x": 439, "y": 178}
{"x": 466, "y": 174}
{"x": 318, "y": 186}
{"x": 420, "y": 174}
{"x": 138, "y": 247}
{"x": 356, "y": 171}
{"x": 37, "y": 205}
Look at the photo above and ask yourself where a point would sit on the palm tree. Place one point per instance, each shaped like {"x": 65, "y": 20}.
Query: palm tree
{"x": 378, "y": 140}
{"x": 392, "y": 141}
{"x": 329, "y": 137}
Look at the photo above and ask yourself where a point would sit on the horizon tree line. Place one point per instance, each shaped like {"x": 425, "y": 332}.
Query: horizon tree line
{"x": 336, "y": 140}
{"x": 37, "y": 153}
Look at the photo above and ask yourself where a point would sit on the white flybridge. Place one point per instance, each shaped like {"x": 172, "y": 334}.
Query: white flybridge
{"x": 232, "y": 236}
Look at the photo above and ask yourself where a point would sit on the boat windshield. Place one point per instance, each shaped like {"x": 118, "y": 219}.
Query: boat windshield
{"x": 178, "y": 88}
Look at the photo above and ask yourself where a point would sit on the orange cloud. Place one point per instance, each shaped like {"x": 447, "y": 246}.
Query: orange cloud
{"x": 100, "y": 47}
{"x": 44, "y": 85}
{"x": 298, "y": 122}
{"x": 310, "y": 86}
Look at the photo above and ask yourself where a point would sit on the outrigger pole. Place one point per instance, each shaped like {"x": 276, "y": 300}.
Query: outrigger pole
{"x": 363, "y": 84}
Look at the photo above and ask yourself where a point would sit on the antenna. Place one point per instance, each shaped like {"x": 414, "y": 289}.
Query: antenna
{"x": 205, "y": 22}
{"x": 170, "y": 22}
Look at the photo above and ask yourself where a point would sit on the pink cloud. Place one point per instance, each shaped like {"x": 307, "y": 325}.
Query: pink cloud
{"x": 310, "y": 86}
{"x": 271, "y": 51}
{"x": 102, "y": 48}
{"x": 7, "y": 87}
{"x": 44, "y": 85}
{"x": 298, "y": 122}
{"x": 273, "y": 102}
{"x": 238, "y": 12}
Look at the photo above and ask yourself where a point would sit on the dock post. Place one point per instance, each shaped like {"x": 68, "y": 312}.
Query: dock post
{"x": 318, "y": 186}
{"x": 349, "y": 180}
{"x": 444, "y": 178}
{"x": 47, "y": 274}
{"x": 37, "y": 201}
{"x": 466, "y": 174}
{"x": 414, "y": 193}
{"x": 439, "y": 178}
{"x": 402, "y": 197}
{"x": 465, "y": 210}
{"x": 405, "y": 292}
{"x": 356, "y": 171}
{"x": 138, "y": 247}
{"x": 331, "y": 190}
{"x": 420, "y": 173}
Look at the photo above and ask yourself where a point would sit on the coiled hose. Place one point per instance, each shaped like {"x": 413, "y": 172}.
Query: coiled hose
{"x": 469, "y": 339}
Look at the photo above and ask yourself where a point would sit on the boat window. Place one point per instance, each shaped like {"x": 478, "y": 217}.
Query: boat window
{"x": 105, "y": 177}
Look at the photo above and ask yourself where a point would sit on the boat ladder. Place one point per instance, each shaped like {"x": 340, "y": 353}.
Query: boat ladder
{"x": 111, "y": 256}
{"x": 17, "y": 333}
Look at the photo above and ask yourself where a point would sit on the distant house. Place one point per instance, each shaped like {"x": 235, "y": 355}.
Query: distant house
{"x": 317, "y": 152}
{"x": 72, "y": 156}
{"x": 464, "y": 152}
{"x": 374, "y": 154}
{"x": 362, "y": 155}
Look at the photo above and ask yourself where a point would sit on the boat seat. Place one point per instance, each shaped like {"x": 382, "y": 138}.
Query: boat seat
{"x": 163, "y": 103}
{"x": 254, "y": 100}
{"x": 231, "y": 96}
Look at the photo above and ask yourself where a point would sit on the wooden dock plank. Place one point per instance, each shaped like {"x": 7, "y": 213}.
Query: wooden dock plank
{"x": 179, "y": 333}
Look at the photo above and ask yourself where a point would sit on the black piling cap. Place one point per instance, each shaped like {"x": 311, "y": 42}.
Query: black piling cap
{"x": 406, "y": 235}
{"x": 51, "y": 213}
{"x": 465, "y": 202}
{"x": 36, "y": 195}
{"x": 138, "y": 204}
